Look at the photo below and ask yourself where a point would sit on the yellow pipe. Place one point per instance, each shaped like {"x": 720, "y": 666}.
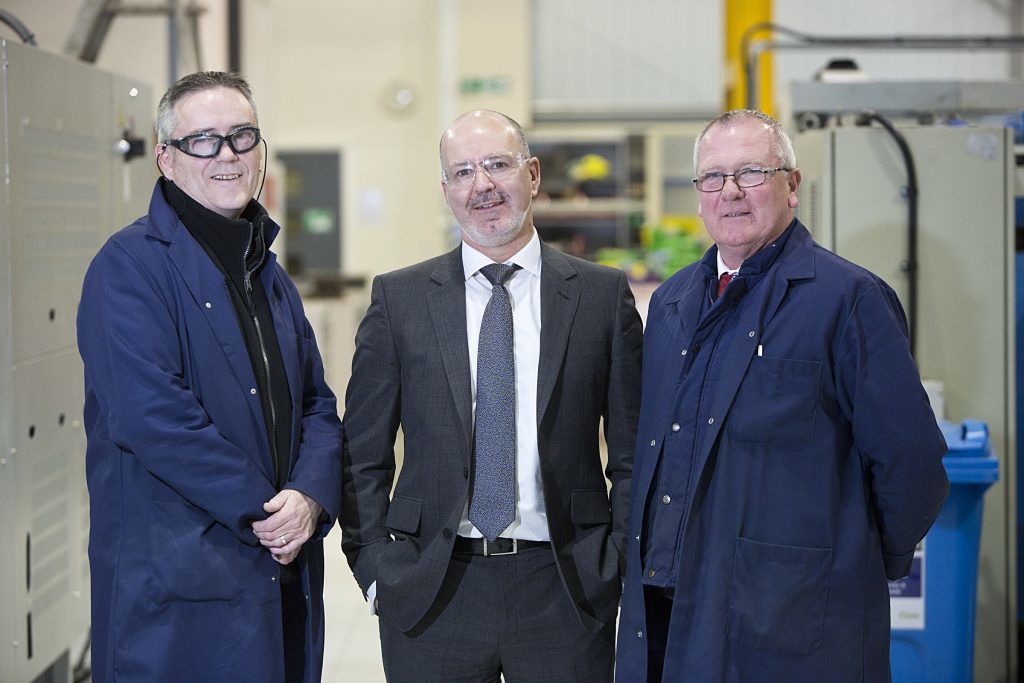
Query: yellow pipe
{"x": 740, "y": 15}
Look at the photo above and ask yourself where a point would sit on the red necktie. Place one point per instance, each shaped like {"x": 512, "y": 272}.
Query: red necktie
{"x": 723, "y": 281}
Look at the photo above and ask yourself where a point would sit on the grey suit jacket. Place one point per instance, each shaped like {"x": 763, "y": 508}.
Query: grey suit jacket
{"x": 411, "y": 369}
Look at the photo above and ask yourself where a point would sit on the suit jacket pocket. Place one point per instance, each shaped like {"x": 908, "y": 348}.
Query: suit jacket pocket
{"x": 776, "y": 402}
{"x": 404, "y": 515}
{"x": 778, "y": 597}
{"x": 590, "y": 507}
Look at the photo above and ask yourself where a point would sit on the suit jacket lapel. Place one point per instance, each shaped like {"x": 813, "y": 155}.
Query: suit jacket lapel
{"x": 447, "y": 305}
{"x": 559, "y": 297}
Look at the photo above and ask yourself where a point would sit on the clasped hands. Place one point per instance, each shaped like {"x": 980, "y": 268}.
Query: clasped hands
{"x": 293, "y": 519}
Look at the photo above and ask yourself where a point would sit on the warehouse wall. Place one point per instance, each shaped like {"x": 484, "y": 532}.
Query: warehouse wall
{"x": 326, "y": 73}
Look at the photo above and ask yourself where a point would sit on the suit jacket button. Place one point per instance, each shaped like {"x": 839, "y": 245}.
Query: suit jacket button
{"x": 446, "y": 532}
{"x": 465, "y": 473}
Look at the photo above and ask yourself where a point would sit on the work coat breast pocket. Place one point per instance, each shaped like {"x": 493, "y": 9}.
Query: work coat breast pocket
{"x": 776, "y": 403}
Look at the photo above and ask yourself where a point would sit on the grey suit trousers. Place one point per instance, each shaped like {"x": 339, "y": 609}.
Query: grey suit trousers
{"x": 503, "y": 615}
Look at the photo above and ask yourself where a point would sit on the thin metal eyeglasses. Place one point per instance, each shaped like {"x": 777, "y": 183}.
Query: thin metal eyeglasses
{"x": 745, "y": 177}
{"x": 496, "y": 166}
{"x": 206, "y": 145}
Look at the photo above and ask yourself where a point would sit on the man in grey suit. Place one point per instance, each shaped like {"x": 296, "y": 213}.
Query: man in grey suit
{"x": 500, "y": 550}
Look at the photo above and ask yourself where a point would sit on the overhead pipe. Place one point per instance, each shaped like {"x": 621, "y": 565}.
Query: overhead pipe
{"x": 16, "y": 24}
{"x": 753, "y": 49}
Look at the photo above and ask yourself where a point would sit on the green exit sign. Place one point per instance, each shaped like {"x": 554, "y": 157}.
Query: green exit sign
{"x": 485, "y": 85}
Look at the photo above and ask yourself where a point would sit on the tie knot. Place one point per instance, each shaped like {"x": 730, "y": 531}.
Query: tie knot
{"x": 499, "y": 273}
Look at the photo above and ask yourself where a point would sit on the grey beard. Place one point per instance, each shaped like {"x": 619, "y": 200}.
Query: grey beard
{"x": 500, "y": 236}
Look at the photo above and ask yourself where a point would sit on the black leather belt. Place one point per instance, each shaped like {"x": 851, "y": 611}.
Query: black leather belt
{"x": 501, "y": 546}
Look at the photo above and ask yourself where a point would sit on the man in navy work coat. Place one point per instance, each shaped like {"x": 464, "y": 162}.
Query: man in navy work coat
{"x": 213, "y": 458}
{"x": 787, "y": 459}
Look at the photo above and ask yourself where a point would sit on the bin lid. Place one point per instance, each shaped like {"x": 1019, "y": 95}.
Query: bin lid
{"x": 969, "y": 459}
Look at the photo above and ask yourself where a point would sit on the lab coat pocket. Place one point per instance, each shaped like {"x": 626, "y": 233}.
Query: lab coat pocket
{"x": 776, "y": 403}
{"x": 192, "y": 557}
{"x": 778, "y": 597}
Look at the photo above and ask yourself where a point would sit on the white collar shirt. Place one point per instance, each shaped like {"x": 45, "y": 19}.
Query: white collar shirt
{"x": 722, "y": 268}
{"x": 524, "y": 290}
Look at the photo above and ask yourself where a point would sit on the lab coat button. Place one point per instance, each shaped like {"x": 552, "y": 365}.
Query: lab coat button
{"x": 750, "y": 334}
{"x": 711, "y": 420}
{"x": 639, "y": 634}
{"x": 653, "y": 441}
{"x": 675, "y": 427}
{"x": 253, "y": 391}
{"x": 650, "y": 574}
{"x": 683, "y": 352}
{"x": 209, "y": 305}
{"x": 666, "y": 499}
{"x": 695, "y": 348}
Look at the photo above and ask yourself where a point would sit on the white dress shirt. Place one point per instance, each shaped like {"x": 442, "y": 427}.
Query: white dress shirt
{"x": 531, "y": 522}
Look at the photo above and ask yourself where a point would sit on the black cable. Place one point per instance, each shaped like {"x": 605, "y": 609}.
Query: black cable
{"x": 19, "y": 28}
{"x": 263, "y": 173}
{"x": 865, "y": 118}
{"x": 748, "y": 59}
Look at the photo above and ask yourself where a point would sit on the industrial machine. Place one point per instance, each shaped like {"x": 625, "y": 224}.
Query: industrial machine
{"x": 68, "y": 138}
{"x": 954, "y": 273}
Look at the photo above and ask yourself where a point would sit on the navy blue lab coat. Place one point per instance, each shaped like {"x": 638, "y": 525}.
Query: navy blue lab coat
{"x": 179, "y": 464}
{"x": 819, "y": 472}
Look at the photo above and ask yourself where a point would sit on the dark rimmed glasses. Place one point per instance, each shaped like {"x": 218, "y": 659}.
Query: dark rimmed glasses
{"x": 206, "y": 145}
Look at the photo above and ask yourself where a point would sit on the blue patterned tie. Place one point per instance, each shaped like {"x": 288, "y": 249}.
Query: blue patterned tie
{"x": 492, "y": 503}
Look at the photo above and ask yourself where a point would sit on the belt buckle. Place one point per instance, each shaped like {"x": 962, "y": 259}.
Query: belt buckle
{"x": 488, "y": 553}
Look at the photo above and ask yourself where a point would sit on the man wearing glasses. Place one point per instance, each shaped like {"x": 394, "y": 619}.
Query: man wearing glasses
{"x": 213, "y": 456}
{"x": 787, "y": 460}
{"x": 498, "y": 552}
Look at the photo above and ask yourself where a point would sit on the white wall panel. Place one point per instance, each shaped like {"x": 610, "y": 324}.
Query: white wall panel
{"x": 643, "y": 56}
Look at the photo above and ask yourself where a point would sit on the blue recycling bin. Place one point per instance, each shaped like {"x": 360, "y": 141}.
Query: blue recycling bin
{"x": 933, "y": 609}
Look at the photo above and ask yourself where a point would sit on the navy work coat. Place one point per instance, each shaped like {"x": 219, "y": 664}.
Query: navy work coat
{"x": 819, "y": 471}
{"x": 179, "y": 463}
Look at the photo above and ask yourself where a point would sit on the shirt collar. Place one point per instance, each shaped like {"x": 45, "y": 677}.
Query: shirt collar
{"x": 722, "y": 268}
{"x": 527, "y": 258}
{"x": 762, "y": 260}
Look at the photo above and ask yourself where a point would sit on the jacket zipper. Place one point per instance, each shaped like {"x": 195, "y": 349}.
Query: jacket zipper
{"x": 247, "y": 277}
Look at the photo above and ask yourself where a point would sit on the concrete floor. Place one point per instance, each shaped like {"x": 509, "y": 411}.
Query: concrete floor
{"x": 351, "y": 641}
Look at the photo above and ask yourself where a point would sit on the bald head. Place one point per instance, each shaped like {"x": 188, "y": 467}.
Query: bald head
{"x": 477, "y": 121}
